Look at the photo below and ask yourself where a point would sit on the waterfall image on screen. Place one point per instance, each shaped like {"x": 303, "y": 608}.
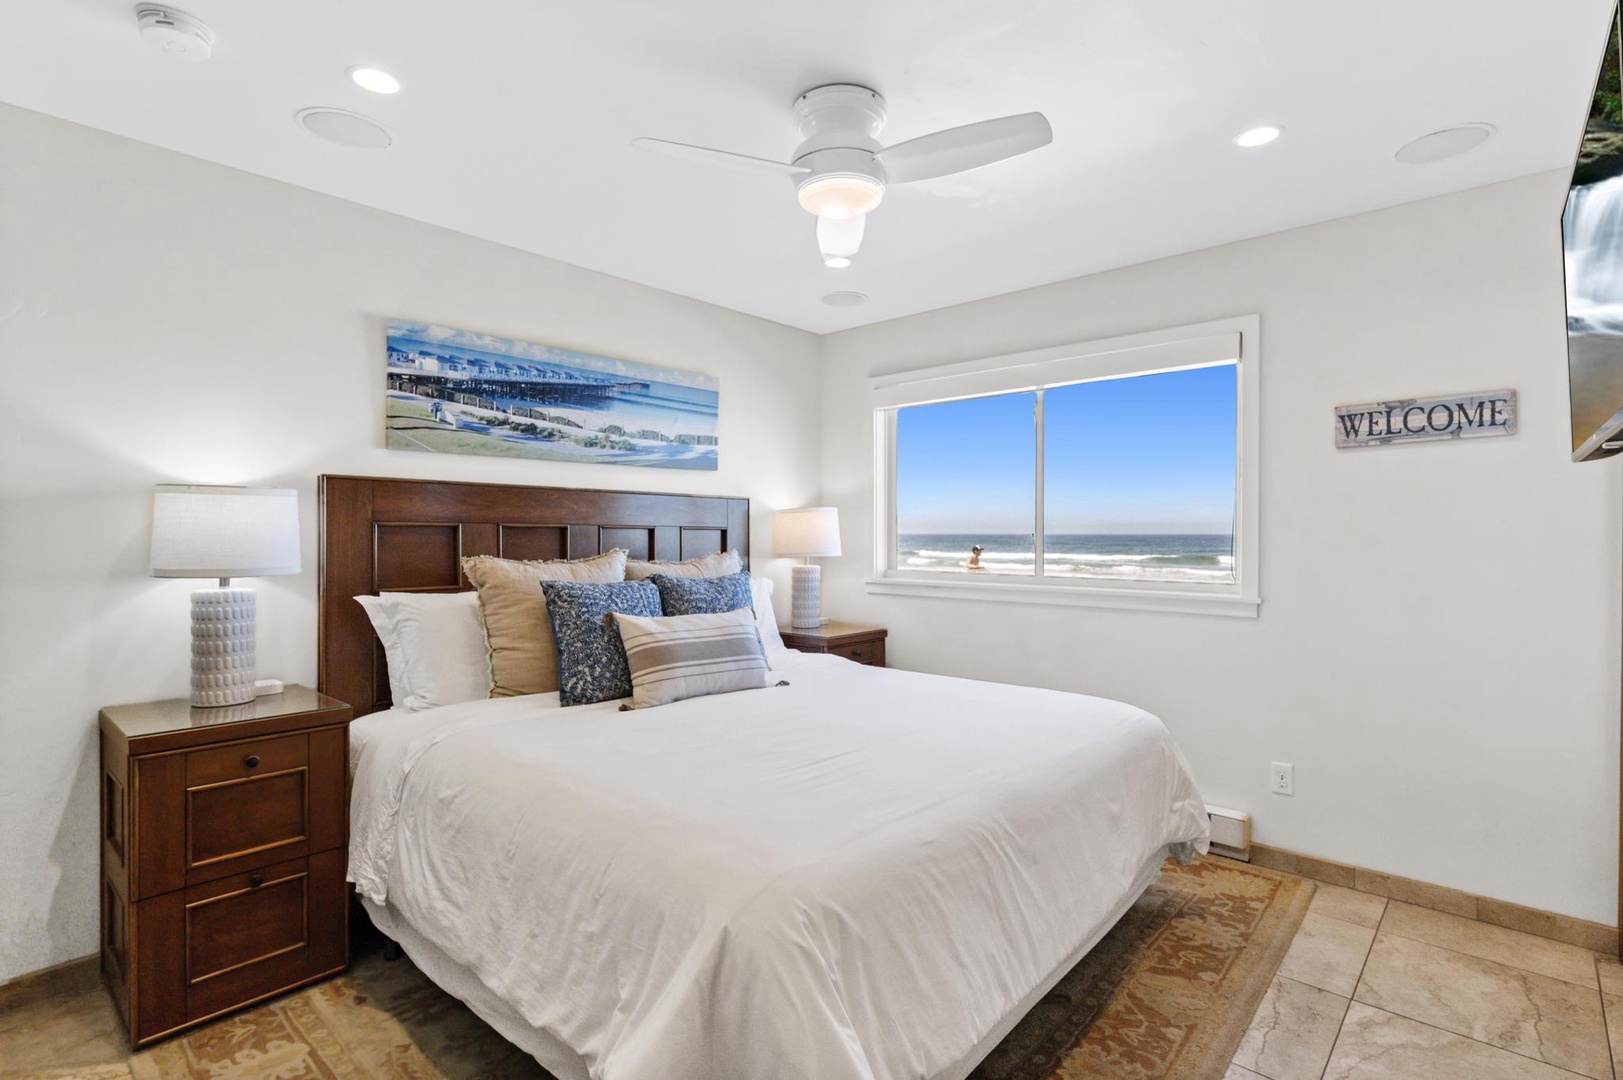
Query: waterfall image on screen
{"x": 1592, "y": 237}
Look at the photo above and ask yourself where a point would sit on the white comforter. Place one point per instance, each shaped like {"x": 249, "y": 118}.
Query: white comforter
{"x": 853, "y": 877}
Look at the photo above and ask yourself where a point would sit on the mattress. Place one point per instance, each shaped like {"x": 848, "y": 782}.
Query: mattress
{"x": 866, "y": 874}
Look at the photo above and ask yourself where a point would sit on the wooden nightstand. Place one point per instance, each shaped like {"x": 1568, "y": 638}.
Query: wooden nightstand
{"x": 224, "y": 841}
{"x": 864, "y": 644}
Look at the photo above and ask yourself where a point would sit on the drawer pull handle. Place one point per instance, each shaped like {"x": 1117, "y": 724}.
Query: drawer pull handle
{"x": 255, "y": 882}
{"x": 252, "y": 761}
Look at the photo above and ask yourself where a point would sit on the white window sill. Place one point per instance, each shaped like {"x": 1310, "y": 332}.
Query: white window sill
{"x": 1176, "y": 601}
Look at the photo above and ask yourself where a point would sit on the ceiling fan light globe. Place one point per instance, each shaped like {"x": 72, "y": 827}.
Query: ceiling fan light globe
{"x": 836, "y": 262}
{"x": 840, "y": 196}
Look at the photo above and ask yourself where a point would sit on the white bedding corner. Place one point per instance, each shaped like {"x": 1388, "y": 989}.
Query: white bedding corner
{"x": 858, "y": 876}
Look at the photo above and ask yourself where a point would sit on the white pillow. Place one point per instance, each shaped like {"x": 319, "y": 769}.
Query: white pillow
{"x": 766, "y": 620}
{"x": 435, "y": 647}
{"x": 383, "y": 622}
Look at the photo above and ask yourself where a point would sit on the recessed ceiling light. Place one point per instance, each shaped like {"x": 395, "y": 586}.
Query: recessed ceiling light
{"x": 345, "y": 128}
{"x": 1444, "y": 144}
{"x": 844, "y": 299}
{"x": 1258, "y": 136}
{"x": 374, "y": 79}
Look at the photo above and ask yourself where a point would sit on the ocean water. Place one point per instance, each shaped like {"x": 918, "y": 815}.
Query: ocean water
{"x": 1188, "y": 557}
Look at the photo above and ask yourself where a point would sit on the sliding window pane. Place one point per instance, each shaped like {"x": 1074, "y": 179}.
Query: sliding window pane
{"x": 1139, "y": 477}
{"x": 966, "y": 478}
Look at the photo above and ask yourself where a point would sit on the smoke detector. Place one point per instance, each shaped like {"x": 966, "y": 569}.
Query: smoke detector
{"x": 174, "y": 33}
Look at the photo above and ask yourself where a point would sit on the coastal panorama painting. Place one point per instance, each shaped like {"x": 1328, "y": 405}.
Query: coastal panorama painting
{"x": 456, "y": 392}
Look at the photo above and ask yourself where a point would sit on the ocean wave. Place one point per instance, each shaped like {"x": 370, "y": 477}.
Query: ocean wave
{"x": 1119, "y": 571}
{"x": 1080, "y": 557}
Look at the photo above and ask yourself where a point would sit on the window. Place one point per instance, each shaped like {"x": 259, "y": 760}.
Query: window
{"x": 980, "y": 449}
{"x": 1106, "y": 474}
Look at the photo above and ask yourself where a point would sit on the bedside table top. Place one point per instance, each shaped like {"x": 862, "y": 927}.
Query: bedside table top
{"x": 176, "y": 715}
{"x": 834, "y": 631}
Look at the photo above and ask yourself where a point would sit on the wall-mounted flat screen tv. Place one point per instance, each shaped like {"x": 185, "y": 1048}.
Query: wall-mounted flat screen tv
{"x": 1592, "y": 238}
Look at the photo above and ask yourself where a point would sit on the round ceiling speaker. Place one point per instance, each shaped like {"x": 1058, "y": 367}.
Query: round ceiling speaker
{"x": 844, "y": 299}
{"x": 174, "y": 33}
{"x": 345, "y": 128}
{"x": 1447, "y": 143}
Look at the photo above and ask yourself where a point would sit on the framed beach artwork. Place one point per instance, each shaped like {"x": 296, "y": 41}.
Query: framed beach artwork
{"x": 457, "y": 392}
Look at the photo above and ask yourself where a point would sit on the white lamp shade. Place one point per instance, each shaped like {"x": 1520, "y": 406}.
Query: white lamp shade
{"x": 224, "y": 532}
{"x": 811, "y": 532}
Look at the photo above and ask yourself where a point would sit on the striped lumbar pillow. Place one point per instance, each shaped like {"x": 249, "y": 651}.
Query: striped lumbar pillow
{"x": 685, "y": 656}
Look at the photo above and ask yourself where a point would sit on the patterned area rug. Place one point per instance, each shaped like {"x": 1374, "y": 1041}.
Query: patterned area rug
{"x": 1167, "y": 995}
{"x": 1170, "y": 991}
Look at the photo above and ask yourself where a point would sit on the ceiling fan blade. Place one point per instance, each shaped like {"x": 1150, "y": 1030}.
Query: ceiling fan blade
{"x": 839, "y": 238}
{"x": 719, "y": 157}
{"x": 959, "y": 149}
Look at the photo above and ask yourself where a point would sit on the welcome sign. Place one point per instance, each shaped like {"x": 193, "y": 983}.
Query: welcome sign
{"x": 1458, "y": 416}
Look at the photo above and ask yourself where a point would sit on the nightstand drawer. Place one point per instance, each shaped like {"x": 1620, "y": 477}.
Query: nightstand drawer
{"x": 233, "y": 819}
{"x": 207, "y": 814}
{"x": 246, "y": 919}
{"x": 865, "y": 652}
{"x": 247, "y": 760}
{"x": 240, "y": 938}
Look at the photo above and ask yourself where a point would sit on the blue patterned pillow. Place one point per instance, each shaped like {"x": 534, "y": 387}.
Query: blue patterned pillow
{"x": 703, "y": 596}
{"x": 591, "y": 659}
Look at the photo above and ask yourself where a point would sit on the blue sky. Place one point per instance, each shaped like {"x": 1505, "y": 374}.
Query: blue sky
{"x": 1148, "y": 454}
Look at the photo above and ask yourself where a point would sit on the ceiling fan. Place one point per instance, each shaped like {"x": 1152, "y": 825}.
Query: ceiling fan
{"x": 840, "y": 170}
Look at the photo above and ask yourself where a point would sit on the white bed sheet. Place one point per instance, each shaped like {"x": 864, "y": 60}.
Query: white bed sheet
{"x": 862, "y": 875}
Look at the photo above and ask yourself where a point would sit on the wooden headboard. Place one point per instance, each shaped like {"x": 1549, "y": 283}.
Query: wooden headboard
{"x": 381, "y": 534}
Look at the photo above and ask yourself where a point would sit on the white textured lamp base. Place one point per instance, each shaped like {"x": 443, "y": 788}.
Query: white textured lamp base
{"x": 222, "y": 647}
{"x": 806, "y": 597}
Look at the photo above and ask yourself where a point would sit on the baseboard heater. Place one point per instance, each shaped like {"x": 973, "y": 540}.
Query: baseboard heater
{"x": 1231, "y": 832}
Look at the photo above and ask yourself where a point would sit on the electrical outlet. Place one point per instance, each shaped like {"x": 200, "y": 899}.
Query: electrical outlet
{"x": 1282, "y": 778}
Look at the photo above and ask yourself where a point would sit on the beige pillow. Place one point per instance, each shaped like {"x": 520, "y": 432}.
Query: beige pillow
{"x": 719, "y": 565}
{"x": 523, "y": 656}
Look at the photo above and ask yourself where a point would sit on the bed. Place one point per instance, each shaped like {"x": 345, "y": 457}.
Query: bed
{"x": 861, "y": 873}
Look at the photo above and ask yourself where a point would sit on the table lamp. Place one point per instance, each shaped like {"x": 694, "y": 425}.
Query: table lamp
{"x": 808, "y": 533}
{"x": 223, "y": 532}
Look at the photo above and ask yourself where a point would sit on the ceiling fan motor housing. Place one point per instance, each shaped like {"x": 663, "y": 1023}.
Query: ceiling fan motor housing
{"x": 839, "y": 125}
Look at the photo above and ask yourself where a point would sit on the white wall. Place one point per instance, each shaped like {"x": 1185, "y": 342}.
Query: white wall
{"x": 1439, "y": 639}
{"x": 163, "y": 319}
{"x": 1438, "y": 646}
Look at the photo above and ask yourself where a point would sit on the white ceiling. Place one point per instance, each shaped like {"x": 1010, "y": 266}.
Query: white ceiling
{"x": 516, "y": 120}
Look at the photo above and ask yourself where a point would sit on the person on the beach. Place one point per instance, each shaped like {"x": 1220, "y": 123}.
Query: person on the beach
{"x": 974, "y": 562}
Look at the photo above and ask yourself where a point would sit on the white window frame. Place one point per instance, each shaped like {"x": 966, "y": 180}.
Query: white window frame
{"x": 1200, "y": 345}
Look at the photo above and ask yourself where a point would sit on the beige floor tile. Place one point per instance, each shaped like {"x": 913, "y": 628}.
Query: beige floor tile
{"x": 1349, "y": 905}
{"x": 1376, "y": 1045}
{"x": 1533, "y": 1015}
{"x": 1611, "y": 975}
{"x": 1328, "y": 953}
{"x": 1240, "y": 1072}
{"x": 1519, "y": 950}
{"x": 68, "y": 1035}
{"x": 1614, "y": 1028}
{"x": 1291, "y": 1035}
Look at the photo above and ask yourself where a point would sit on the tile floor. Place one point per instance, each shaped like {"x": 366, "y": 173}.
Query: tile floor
{"x": 1371, "y": 989}
{"x": 1376, "y": 989}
